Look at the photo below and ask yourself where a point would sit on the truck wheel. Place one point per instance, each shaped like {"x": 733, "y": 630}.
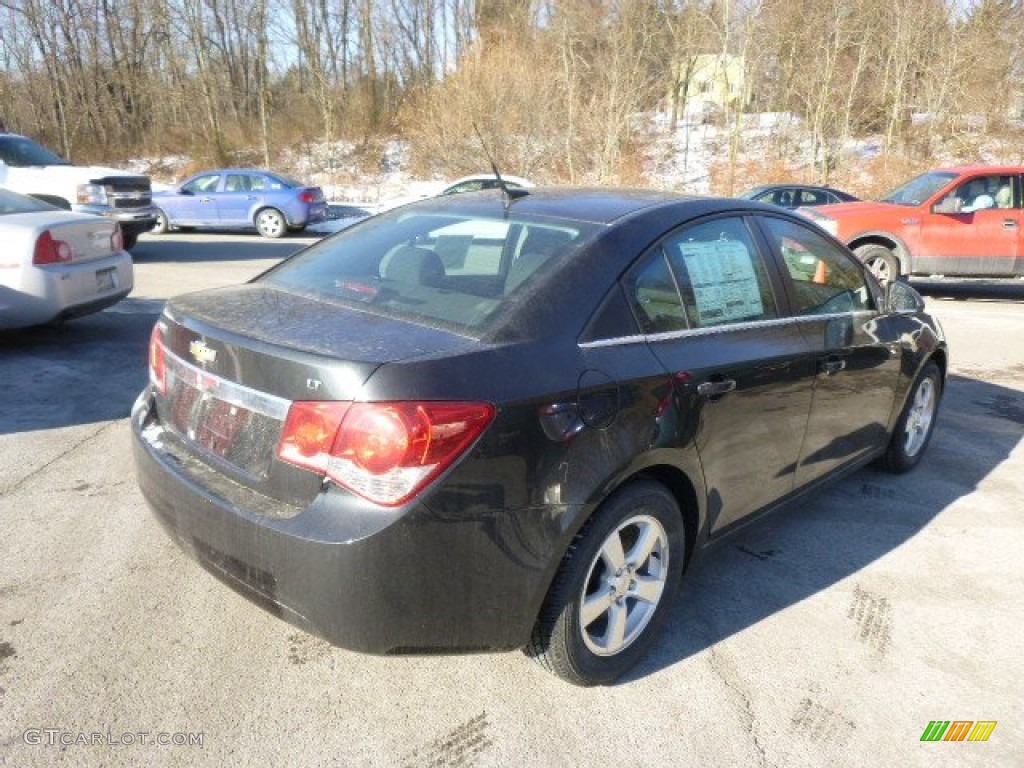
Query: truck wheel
{"x": 270, "y": 223}
{"x": 880, "y": 261}
{"x": 614, "y": 588}
{"x": 129, "y": 239}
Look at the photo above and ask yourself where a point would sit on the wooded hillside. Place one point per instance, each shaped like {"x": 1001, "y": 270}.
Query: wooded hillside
{"x": 555, "y": 87}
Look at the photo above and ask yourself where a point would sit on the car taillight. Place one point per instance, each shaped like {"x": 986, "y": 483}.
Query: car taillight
{"x": 157, "y": 360}
{"x": 50, "y": 250}
{"x": 117, "y": 239}
{"x": 385, "y": 452}
{"x": 306, "y": 196}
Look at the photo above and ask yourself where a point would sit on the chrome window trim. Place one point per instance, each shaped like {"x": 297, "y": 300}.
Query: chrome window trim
{"x": 230, "y": 392}
{"x": 654, "y": 338}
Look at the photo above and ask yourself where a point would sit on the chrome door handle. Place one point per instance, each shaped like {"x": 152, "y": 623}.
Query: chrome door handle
{"x": 1009, "y": 224}
{"x": 716, "y": 388}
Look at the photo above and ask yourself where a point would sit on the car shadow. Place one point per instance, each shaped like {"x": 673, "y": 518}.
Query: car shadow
{"x": 828, "y": 538}
{"x": 228, "y": 247}
{"x": 87, "y": 370}
{"x": 1009, "y": 289}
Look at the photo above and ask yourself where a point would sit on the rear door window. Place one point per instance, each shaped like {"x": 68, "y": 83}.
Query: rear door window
{"x": 701, "y": 276}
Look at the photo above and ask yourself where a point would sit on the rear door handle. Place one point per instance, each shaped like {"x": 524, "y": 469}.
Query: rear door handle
{"x": 831, "y": 365}
{"x": 1009, "y": 224}
{"x": 716, "y": 388}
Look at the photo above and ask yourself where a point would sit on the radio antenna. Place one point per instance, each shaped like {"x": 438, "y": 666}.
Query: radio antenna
{"x": 509, "y": 195}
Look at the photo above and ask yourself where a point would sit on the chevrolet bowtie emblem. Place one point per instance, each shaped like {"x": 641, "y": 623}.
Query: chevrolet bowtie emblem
{"x": 201, "y": 352}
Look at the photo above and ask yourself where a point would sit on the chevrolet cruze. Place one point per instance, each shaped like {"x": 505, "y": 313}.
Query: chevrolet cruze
{"x": 511, "y": 419}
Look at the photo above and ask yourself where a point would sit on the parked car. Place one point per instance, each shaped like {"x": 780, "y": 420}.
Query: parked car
{"x": 793, "y": 196}
{"x": 32, "y": 169}
{"x": 232, "y": 198}
{"x": 964, "y": 221}
{"x": 483, "y": 423}
{"x": 57, "y": 264}
{"x": 484, "y": 181}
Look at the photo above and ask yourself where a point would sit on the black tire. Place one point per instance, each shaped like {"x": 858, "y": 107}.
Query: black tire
{"x": 564, "y": 642}
{"x": 880, "y": 261}
{"x": 271, "y": 223}
{"x": 916, "y": 423}
{"x": 129, "y": 239}
{"x": 162, "y": 226}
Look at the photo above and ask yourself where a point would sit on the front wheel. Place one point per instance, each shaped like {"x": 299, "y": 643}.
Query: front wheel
{"x": 162, "y": 226}
{"x": 916, "y": 423}
{"x": 614, "y": 587}
{"x": 880, "y": 261}
{"x": 129, "y": 240}
{"x": 270, "y": 223}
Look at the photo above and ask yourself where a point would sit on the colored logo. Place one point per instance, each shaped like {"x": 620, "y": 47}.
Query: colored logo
{"x": 958, "y": 730}
{"x": 201, "y": 352}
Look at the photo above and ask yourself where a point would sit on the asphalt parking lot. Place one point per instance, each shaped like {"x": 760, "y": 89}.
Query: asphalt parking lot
{"x": 832, "y": 634}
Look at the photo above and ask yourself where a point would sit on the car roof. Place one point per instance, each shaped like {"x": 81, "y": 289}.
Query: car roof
{"x": 482, "y": 176}
{"x": 784, "y": 185}
{"x": 597, "y": 205}
{"x": 962, "y": 169}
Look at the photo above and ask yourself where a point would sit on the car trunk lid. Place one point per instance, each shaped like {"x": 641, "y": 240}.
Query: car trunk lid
{"x": 235, "y": 359}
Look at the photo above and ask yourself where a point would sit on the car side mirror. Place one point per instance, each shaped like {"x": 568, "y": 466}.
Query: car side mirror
{"x": 948, "y": 205}
{"x": 901, "y": 298}
{"x": 183, "y": 191}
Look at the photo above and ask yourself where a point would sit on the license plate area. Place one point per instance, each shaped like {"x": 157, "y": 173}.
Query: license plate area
{"x": 221, "y": 419}
{"x": 106, "y": 279}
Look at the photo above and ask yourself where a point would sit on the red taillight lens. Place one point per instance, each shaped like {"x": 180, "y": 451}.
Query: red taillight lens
{"x": 305, "y": 196}
{"x": 117, "y": 239}
{"x": 50, "y": 250}
{"x": 157, "y": 360}
{"x": 385, "y": 452}
{"x": 309, "y": 433}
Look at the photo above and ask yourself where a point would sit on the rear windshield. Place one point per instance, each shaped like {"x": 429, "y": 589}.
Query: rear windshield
{"x": 449, "y": 270}
{"x": 919, "y": 189}
{"x": 19, "y": 152}
{"x": 12, "y": 202}
{"x": 285, "y": 181}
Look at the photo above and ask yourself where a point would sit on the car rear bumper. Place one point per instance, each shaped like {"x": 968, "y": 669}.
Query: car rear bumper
{"x": 60, "y": 291}
{"x": 363, "y": 578}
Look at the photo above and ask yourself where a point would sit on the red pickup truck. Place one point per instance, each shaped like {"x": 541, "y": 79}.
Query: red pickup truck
{"x": 966, "y": 221}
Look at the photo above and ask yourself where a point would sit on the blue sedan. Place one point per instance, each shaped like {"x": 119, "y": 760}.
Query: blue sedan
{"x": 237, "y": 198}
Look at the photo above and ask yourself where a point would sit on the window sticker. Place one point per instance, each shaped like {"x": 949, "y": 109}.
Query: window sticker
{"x": 723, "y": 279}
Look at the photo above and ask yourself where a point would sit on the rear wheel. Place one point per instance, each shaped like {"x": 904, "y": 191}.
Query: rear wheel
{"x": 614, "y": 587}
{"x": 880, "y": 261}
{"x": 270, "y": 222}
{"x": 129, "y": 239}
{"x": 916, "y": 423}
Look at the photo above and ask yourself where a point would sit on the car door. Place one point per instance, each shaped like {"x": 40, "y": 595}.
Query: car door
{"x": 969, "y": 240}
{"x": 854, "y": 350}
{"x": 241, "y": 191}
{"x": 195, "y": 205}
{"x": 709, "y": 306}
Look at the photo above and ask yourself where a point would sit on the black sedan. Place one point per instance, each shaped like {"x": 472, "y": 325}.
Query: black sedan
{"x": 488, "y": 421}
{"x": 793, "y": 196}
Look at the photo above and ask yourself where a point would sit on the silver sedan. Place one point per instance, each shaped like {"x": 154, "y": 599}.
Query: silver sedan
{"x": 55, "y": 265}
